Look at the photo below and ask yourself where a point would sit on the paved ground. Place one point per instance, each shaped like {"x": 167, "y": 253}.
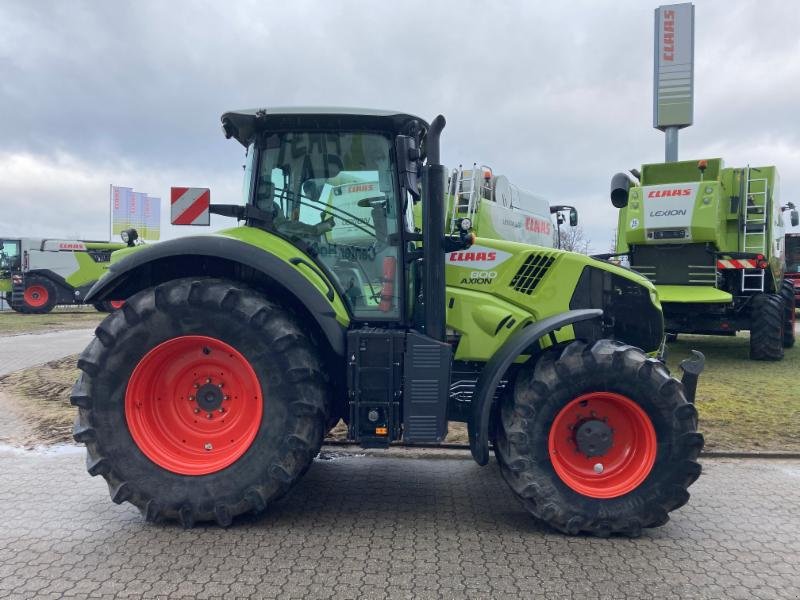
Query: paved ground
{"x": 23, "y": 351}
{"x": 359, "y": 527}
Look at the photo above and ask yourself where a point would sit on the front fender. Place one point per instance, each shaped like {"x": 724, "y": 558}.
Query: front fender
{"x": 219, "y": 256}
{"x": 497, "y": 366}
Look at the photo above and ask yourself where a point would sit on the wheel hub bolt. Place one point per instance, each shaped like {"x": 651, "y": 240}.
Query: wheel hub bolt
{"x": 209, "y": 416}
{"x": 220, "y": 385}
{"x": 226, "y": 397}
{"x": 196, "y": 410}
{"x": 598, "y": 468}
{"x": 221, "y": 410}
{"x": 208, "y": 446}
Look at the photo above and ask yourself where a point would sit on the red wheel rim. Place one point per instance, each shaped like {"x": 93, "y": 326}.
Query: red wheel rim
{"x": 36, "y": 296}
{"x": 117, "y": 304}
{"x": 193, "y": 405}
{"x": 623, "y": 466}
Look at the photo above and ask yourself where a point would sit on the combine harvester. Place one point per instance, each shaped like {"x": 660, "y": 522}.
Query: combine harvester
{"x": 712, "y": 241}
{"x": 37, "y": 274}
{"x": 710, "y": 238}
{"x": 497, "y": 209}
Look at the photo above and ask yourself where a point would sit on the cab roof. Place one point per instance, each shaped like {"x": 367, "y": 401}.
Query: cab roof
{"x": 244, "y": 124}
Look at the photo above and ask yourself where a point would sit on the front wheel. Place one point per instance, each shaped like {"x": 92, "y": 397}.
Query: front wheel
{"x": 200, "y": 400}
{"x": 598, "y": 439}
{"x": 767, "y": 320}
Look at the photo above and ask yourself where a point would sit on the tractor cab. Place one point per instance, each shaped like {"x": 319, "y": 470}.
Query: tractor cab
{"x": 330, "y": 184}
{"x": 10, "y": 257}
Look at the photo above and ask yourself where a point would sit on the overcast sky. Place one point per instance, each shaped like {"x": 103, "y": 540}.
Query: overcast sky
{"x": 557, "y": 96}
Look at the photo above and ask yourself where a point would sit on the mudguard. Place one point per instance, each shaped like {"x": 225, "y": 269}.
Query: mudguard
{"x": 218, "y": 256}
{"x": 496, "y": 367}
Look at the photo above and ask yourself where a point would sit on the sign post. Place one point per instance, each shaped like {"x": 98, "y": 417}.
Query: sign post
{"x": 673, "y": 76}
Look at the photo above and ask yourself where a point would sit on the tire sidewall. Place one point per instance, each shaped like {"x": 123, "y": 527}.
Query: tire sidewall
{"x": 270, "y": 364}
{"x": 620, "y": 381}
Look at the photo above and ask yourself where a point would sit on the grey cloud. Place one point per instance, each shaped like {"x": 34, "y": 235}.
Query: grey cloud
{"x": 558, "y": 97}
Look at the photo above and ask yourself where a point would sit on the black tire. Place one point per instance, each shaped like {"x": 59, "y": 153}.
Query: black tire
{"x": 289, "y": 372}
{"x": 671, "y": 337}
{"x": 789, "y": 307}
{"x": 766, "y": 327}
{"x": 51, "y": 291}
{"x": 541, "y": 391}
{"x": 104, "y": 306}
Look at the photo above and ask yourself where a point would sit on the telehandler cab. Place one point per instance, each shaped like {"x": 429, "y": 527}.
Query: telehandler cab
{"x": 209, "y": 393}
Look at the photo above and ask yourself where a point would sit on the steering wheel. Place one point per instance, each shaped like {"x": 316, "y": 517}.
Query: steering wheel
{"x": 372, "y": 202}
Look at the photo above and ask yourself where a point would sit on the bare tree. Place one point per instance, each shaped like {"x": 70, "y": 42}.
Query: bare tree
{"x": 573, "y": 239}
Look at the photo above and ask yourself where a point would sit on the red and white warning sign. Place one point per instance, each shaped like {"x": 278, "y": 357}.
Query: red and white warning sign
{"x": 189, "y": 206}
{"x": 741, "y": 263}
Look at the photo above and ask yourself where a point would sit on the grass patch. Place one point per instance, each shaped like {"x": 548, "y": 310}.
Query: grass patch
{"x": 14, "y": 323}
{"x": 744, "y": 405}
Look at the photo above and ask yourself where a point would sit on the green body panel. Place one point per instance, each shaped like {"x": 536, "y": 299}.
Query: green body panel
{"x": 715, "y": 209}
{"x": 485, "y": 308}
{"x": 701, "y": 294}
{"x": 89, "y": 270}
{"x": 282, "y": 249}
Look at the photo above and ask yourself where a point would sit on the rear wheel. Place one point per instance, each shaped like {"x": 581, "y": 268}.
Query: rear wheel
{"x": 598, "y": 439}
{"x": 39, "y": 295}
{"x": 200, "y": 400}
{"x": 108, "y": 305}
{"x": 787, "y": 293}
{"x": 767, "y": 327}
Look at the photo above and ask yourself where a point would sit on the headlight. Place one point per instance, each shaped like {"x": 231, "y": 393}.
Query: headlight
{"x": 129, "y": 236}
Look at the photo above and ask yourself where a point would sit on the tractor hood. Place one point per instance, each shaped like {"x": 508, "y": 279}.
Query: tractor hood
{"x": 543, "y": 282}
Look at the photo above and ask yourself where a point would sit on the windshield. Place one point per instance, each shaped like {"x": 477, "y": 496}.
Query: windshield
{"x": 9, "y": 255}
{"x": 335, "y": 194}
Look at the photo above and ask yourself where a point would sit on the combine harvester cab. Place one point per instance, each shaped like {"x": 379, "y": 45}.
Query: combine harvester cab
{"x": 712, "y": 241}
{"x": 38, "y": 274}
{"x": 497, "y": 209}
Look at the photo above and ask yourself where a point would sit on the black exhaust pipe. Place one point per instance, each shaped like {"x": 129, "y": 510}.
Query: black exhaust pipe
{"x": 433, "y": 209}
{"x": 620, "y": 184}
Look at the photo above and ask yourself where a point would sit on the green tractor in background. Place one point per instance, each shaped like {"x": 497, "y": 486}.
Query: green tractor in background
{"x": 38, "y": 274}
{"x": 711, "y": 239}
{"x": 209, "y": 393}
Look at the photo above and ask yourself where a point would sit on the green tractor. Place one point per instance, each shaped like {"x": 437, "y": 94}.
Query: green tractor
{"x": 38, "y": 274}
{"x": 712, "y": 241}
{"x": 209, "y": 393}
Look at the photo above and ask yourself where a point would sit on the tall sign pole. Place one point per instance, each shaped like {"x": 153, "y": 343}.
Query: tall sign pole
{"x": 673, "y": 76}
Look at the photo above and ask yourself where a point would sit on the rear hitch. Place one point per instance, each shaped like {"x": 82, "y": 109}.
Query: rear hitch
{"x": 692, "y": 367}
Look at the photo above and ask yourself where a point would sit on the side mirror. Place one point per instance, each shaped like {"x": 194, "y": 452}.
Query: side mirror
{"x": 794, "y": 218}
{"x": 573, "y": 217}
{"x": 408, "y": 162}
{"x": 620, "y": 184}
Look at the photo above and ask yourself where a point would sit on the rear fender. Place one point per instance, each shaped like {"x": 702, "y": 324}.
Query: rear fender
{"x": 217, "y": 256}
